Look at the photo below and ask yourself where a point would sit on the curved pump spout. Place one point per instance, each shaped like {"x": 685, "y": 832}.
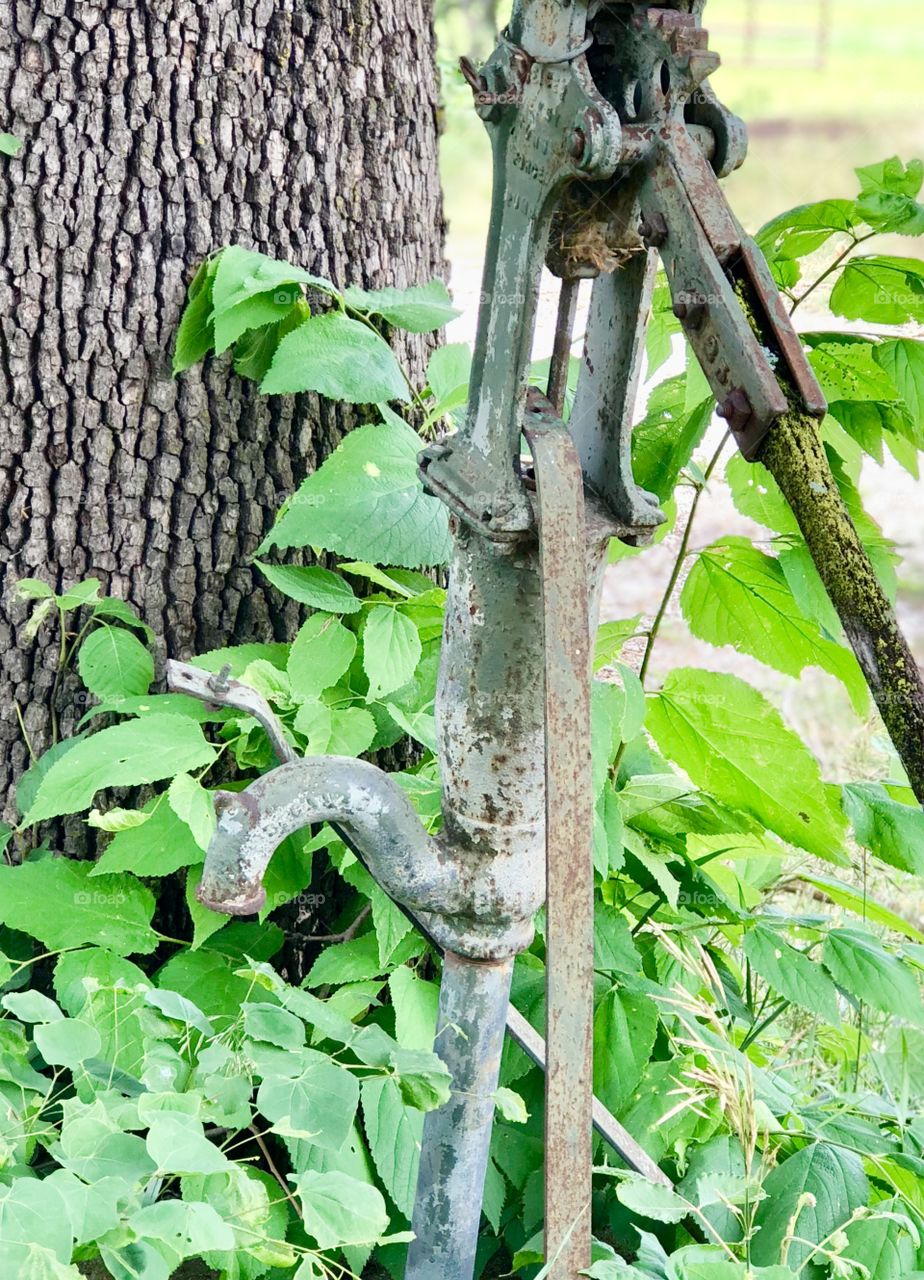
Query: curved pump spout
{"x": 370, "y": 810}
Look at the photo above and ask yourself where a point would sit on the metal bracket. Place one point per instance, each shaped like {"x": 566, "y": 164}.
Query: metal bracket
{"x": 569, "y": 935}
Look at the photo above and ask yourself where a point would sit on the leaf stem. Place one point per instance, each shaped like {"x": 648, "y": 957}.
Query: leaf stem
{"x": 700, "y": 487}
{"x": 855, "y": 243}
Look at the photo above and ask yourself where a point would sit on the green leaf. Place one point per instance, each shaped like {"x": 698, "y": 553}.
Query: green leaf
{"x": 125, "y": 755}
{"x": 737, "y": 595}
{"x": 56, "y": 902}
{"x": 611, "y": 638}
{"x": 194, "y": 806}
{"x": 880, "y": 290}
{"x": 888, "y": 193}
{"x": 112, "y": 661}
{"x": 862, "y": 904}
{"x": 162, "y": 845}
{"x": 80, "y": 594}
{"x": 242, "y": 273}
{"x": 338, "y": 357}
{"x": 651, "y": 1200}
{"x": 314, "y": 586}
{"x": 351, "y": 961}
{"x": 94, "y": 1151}
{"x": 803, "y": 231}
{"x": 791, "y": 974}
{"x": 391, "y": 650}
{"x": 883, "y": 1245}
{"x": 114, "y": 820}
{"x": 10, "y": 145}
{"x": 186, "y": 1229}
{"x": 420, "y": 309}
{"x": 366, "y": 501}
{"x": 76, "y": 972}
{"x": 903, "y": 362}
{"x": 625, "y": 1026}
{"x": 734, "y": 745}
{"x": 664, "y": 441}
{"x": 31, "y": 1006}
{"x": 274, "y": 1025}
{"x": 614, "y": 950}
{"x": 893, "y": 832}
{"x": 339, "y": 1210}
{"x": 196, "y": 334}
{"x": 258, "y": 312}
{"x": 32, "y": 1210}
{"x": 67, "y": 1043}
{"x": 308, "y": 1096}
{"x": 352, "y": 731}
{"x": 448, "y": 375}
{"x": 394, "y": 1131}
{"x": 819, "y": 1186}
{"x": 177, "y": 1144}
{"x": 858, "y": 963}
{"x": 415, "y": 1003}
{"x": 321, "y": 653}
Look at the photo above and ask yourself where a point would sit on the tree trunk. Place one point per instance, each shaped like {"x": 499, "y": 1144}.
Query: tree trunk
{"x": 155, "y": 131}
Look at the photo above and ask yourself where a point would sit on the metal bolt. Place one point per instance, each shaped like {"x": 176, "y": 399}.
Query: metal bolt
{"x": 578, "y": 144}
{"x": 692, "y": 313}
{"x": 654, "y": 231}
{"x": 221, "y": 682}
{"x": 736, "y": 410}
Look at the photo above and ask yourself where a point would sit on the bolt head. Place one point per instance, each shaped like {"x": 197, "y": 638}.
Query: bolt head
{"x": 654, "y": 231}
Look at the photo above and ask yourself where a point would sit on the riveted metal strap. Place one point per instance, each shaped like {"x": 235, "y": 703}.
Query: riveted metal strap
{"x": 569, "y": 845}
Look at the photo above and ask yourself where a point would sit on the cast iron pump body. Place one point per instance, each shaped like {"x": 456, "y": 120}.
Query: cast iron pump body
{"x": 607, "y": 143}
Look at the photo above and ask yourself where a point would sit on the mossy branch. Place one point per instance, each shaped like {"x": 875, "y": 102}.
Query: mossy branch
{"x": 795, "y": 456}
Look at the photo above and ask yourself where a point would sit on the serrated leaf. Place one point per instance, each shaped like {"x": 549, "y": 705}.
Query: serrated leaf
{"x": 893, "y": 832}
{"x": 339, "y": 1210}
{"x": 163, "y": 845}
{"x": 819, "y": 1187}
{"x": 791, "y": 974}
{"x": 194, "y": 806}
{"x": 316, "y": 1099}
{"x": 196, "y": 335}
{"x": 448, "y": 374}
{"x": 651, "y": 1200}
{"x": 737, "y": 595}
{"x": 321, "y": 653}
{"x": 56, "y": 902}
{"x": 888, "y": 192}
{"x": 366, "y": 501}
{"x": 394, "y": 1131}
{"x": 419, "y": 309}
{"x": 242, "y": 273}
{"x": 880, "y": 290}
{"x": 177, "y": 1144}
{"x": 125, "y": 755}
{"x": 625, "y": 1026}
{"x": 338, "y": 357}
{"x": 734, "y": 745}
{"x": 862, "y": 966}
{"x": 313, "y": 586}
{"x": 391, "y": 650}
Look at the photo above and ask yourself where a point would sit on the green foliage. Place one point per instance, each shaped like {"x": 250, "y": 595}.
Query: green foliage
{"x": 758, "y": 1022}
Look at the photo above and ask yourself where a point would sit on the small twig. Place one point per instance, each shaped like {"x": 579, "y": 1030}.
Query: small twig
{"x": 348, "y": 934}
{"x": 271, "y": 1165}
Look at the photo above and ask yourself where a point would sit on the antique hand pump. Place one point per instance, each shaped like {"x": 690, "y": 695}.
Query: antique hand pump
{"x": 607, "y": 146}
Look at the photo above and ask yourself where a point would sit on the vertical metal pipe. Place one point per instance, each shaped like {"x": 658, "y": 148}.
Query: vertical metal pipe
{"x": 456, "y": 1137}
{"x": 560, "y": 365}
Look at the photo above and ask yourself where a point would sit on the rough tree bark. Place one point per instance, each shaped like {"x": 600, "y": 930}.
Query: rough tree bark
{"x": 156, "y": 131}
